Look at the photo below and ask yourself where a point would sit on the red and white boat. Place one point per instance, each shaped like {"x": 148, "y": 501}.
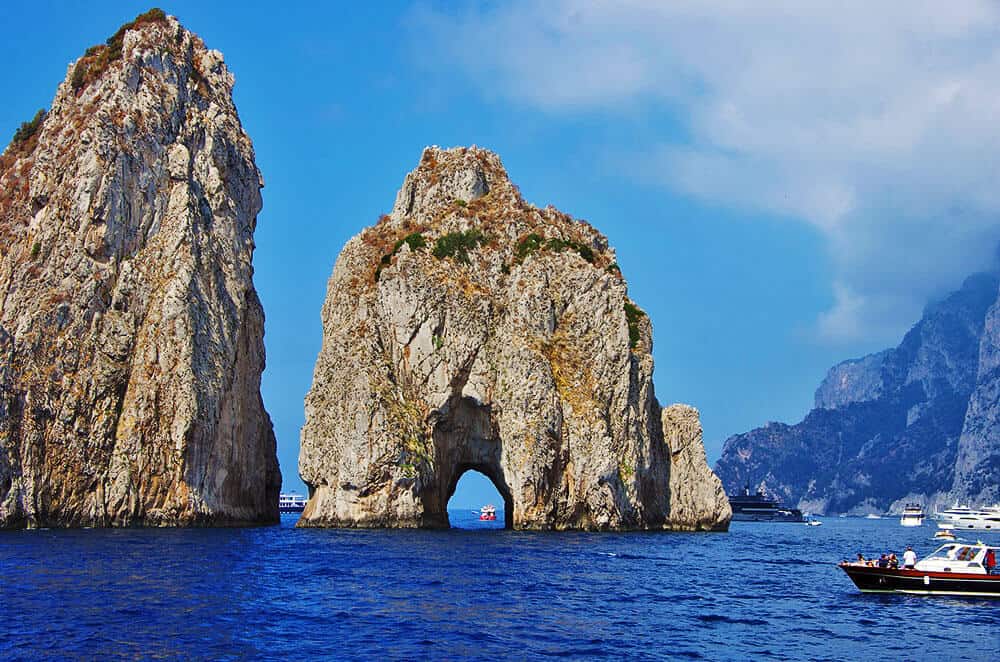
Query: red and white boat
{"x": 488, "y": 513}
{"x": 954, "y": 569}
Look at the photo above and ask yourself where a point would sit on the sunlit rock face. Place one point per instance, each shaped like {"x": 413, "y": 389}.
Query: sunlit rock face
{"x": 468, "y": 329}
{"x": 131, "y": 336}
{"x": 916, "y": 423}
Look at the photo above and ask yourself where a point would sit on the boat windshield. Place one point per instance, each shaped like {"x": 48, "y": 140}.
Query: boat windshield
{"x": 955, "y": 552}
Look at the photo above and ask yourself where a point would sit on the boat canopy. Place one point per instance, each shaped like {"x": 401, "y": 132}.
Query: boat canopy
{"x": 959, "y": 551}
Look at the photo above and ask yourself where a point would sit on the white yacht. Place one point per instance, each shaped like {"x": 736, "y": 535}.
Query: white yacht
{"x": 913, "y": 515}
{"x": 963, "y": 517}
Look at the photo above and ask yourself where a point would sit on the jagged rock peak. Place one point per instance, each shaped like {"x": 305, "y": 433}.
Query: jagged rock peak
{"x": 471, "y": 330}
{"x": 447, "y": 176}
{"x": 131, "y": 336}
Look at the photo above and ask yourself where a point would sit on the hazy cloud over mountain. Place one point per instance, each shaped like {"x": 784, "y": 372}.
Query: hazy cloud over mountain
{"x": 876, "y": 123}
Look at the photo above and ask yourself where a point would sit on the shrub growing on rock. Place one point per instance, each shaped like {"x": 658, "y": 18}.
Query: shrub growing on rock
{"x": 414, "y": 240}
{"x": 528, "y": 245}
{"x": 28, "y": 129}
{"x": 632, "y": 315}
{"x": 97, "y": 59}
{"x": 457, "y": 245}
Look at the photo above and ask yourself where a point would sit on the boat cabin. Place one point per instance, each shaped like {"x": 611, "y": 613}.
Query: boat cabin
{"x": 961, "y": 557}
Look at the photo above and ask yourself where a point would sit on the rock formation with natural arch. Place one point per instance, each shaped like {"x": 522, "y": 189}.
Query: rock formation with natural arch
{"x": 470, "y": 330}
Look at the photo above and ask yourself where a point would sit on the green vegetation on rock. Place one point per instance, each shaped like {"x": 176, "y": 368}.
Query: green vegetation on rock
{"x": 97, "y": 59}
{"x": 533, "y": 243}
{"x": 528, "y": 245}
{"x": 28, "y": 129}
{"x": 457, "y": 245}
{"x": 633, "y": 314}
{"x": 559, "y": 245}
{"x": 414, "y": 240}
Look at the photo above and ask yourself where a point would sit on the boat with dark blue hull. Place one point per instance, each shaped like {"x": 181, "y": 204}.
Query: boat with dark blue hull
{"x": 759, "y": 507}
{"x": 953, "y": 569}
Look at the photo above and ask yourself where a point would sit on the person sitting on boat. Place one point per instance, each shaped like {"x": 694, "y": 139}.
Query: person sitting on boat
{"x": 861, "y": 558}
{"x": 893, "y": 561}
{"x": 883, "y": 561}
{"x": 909, "y": 558}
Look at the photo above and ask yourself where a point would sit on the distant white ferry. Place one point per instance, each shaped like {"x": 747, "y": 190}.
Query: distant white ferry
{"x": 291, "y": 503}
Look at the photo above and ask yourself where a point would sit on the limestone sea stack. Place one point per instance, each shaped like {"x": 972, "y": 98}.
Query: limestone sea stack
{"x": 467, "y": 330}
{"x": 131, "y": 337}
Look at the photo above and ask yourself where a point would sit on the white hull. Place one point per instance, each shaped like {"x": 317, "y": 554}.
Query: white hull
{"x": 911, "y": 522}
{"x": 970, "y": 519}
{"x": 969, "y": 525}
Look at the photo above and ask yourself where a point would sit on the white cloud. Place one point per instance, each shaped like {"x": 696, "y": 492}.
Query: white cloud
{"x": 877, "y": 122}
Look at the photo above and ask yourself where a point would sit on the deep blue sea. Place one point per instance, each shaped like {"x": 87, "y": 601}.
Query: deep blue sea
{"x": 761, "y": 591}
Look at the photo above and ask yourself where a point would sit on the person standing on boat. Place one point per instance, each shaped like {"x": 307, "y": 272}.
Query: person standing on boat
{"x": 990, "y": 562}
{"x": 909, "y": 558}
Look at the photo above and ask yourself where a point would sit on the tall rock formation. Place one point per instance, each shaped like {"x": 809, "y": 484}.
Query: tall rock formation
{"x": 470, "y": 330}
{"x": 131, "y": 337}
{"x": 914, "y": 423}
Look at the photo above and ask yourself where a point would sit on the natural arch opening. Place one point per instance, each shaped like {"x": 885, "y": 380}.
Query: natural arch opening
{"x": 473, "y": 488}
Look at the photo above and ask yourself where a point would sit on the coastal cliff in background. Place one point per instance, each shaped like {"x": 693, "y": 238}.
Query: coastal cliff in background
{"x": 470, "y": 330}
{"x": 131, "y": 337}
{"x": 920, "y": 422}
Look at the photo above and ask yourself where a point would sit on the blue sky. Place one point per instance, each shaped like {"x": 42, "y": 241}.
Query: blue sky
{"x": 786, "y": 185}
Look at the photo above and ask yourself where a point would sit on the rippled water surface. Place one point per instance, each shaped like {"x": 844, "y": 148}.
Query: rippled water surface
{"x": 762, "y": 591}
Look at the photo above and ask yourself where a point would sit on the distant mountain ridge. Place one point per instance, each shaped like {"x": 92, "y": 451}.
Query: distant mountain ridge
{"x": 920, "y": 422}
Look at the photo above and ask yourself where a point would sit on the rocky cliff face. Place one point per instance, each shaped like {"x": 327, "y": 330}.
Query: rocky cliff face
{"x": 977, "y": 468}
{"x": 470, "y": 330}
{"x": 130, "y": 332}
{"x": 854, "y": 380}
{"x": 914, "y": 423}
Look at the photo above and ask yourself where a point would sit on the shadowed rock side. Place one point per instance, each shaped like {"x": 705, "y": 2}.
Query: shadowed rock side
{"x": 917, "y": 423}
{"x": 977, "y": 467}
{"x": 470, "y": 330}
{"x": 131, "y": 337}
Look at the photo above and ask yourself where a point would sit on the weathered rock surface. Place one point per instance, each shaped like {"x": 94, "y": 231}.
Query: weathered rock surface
{"x": 977, "y": 467}
{"x": 915, "y": 423}
{"x": 854, "y": 380}
{"x": 470, "y": 330}
{"x": 131, "y": 337}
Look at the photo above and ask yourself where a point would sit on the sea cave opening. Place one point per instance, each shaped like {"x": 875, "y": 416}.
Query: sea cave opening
{"x": 472, "y": 494}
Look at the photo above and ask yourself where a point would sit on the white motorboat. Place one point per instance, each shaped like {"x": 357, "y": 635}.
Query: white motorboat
{"x": 913, "y": 515}
{"x": 964, "y": 517}
{"x": 943, "y": 534}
